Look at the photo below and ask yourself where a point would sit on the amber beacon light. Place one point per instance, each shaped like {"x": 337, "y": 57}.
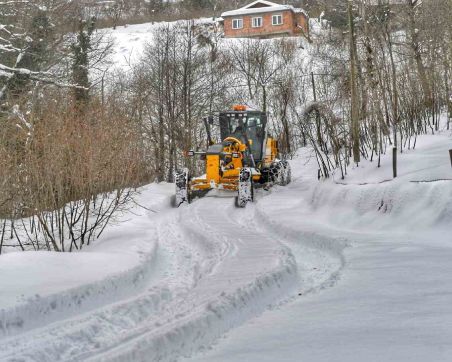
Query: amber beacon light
{"x": 240, "y": 108}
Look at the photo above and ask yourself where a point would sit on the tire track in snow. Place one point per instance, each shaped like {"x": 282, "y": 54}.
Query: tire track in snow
{"x": 224, "y": 268}
{"x": 320, "y": 259}
{"x": 72, "y": 339}
{"x": 255, "y": 272}
{"x": 223, "y": 274}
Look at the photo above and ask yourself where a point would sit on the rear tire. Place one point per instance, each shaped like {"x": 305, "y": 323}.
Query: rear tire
{"x": 274, "y": 173}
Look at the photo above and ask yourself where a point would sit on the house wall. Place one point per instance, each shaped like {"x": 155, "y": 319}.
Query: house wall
{"x": 288, "y": 27}
{"x": 303, "y": 21}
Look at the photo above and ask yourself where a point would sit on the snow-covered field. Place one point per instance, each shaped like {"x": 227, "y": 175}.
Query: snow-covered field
{"x": 337, "y": 270}
{"x": 129, "y": 42}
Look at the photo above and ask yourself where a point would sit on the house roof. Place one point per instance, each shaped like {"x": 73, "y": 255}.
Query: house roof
{"x": 260, "y": 2}
{"x": 265, "y": 7}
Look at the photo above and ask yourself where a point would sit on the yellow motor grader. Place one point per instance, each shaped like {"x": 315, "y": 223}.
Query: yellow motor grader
{"x": 245, "y": 158}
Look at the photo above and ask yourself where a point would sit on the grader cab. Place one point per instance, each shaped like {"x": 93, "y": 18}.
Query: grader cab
{"x": 244, "y": 157}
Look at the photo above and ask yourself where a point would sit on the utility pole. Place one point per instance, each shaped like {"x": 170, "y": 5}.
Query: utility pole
{"x": 394, "y": 162}
{"x": 317, "y": 114}
{"x": 313, "y": 87}
{"x": 354, "y": 91}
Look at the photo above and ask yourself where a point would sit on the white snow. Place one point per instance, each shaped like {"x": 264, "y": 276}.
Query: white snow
{"x": 130, "y": 41}
{"x": 356, "y": 270}
{"x": 41, "y": 287}
{"x": 204, "y": 281}
{"x": 269, "y": 7}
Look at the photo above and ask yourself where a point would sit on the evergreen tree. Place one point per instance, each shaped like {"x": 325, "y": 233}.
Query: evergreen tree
{"x": 80, "y": 66}
{"x": 30, "y": 51}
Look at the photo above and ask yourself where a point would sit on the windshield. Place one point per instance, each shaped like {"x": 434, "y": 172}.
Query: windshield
{"x": 251, "y": 124}
{"x": 255, "y": 132}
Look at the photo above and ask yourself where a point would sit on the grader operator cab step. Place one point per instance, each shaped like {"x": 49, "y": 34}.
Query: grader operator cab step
{"x": 242, "y": 157}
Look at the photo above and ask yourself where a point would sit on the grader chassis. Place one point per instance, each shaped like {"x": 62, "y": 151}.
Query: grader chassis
{"x": 245, "y": 158}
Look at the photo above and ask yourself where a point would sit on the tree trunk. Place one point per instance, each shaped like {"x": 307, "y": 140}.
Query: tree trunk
{"x": 354, "y": 93}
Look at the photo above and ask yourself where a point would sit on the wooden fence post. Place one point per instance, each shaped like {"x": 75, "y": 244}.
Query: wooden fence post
{"x": 394, "y": 161}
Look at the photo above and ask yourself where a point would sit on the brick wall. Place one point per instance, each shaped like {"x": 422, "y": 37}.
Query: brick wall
{"x": 288, "y": 26}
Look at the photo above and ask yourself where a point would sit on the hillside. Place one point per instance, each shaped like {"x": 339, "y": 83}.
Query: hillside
{"x": 108, "y": 254}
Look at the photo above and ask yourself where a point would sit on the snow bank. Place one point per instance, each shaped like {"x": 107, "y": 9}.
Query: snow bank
{"x": 98, "y": 277}
{"x": 420, "y": 198}
{"x": 37, "y": 288}
{"x": 396, "y": 204}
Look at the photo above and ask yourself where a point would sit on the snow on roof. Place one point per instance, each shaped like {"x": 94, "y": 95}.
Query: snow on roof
{"x": 300, "y": 11}
{"x": 263, "y": 2}
{"x": 266, "y": 7}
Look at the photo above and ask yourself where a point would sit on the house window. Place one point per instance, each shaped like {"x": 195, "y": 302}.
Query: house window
{"x": 237, "y": 23}
{"x": 257, "y": 22}
{"x": 277, "y": 19}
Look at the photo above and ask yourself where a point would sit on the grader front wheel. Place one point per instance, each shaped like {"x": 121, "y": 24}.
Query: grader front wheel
{"x": 182, "y": 188}
{"x": 245, "y": 188}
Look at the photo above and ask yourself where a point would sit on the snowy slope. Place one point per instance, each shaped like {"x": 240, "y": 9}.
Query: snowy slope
{"x": 129, "y": 42}
{"x": 41, "y": 287}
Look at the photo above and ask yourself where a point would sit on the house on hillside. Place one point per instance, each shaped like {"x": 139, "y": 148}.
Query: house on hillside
{"x": 265, "y": 19}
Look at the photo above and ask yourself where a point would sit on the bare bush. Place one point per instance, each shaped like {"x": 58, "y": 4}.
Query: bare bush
{"x": 68, "y": 175}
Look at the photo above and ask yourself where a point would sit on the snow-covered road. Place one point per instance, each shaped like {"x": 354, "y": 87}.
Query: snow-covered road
{"x": 214, "y": 267}
{"x": 393, "y": 301}
{"x": 314, "y": 271}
